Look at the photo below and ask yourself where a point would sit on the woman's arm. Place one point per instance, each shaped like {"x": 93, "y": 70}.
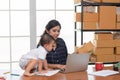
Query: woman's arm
{"x": 56, "y": 66}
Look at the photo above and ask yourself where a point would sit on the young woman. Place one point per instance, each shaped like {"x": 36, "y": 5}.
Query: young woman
{"x": 57, "y": 57}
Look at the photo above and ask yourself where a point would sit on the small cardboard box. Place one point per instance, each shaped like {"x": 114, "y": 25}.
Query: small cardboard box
{"x": 96, "y": 0}
{"x": 87, "y": 17}
{"x": 77, "y": 17}
{"x": 103, "y": 50}
{"x": 103, "y": 36}
{"x": 118, "y": 17}
{"x": 118, "y": 25}
{"x": 90, "y": 25}
{"x": 117, "y": 57}
{"x": 107, "y": 17}
{"x": 111, "y": 1}
{"x": 104, "y": 43}
{"x": 117, "y": 50}
{"x": 106, "y": 58}
{"x": 77, "y": 1}
{"x": 86, "y": 48}
{"x": 117, "y": 42}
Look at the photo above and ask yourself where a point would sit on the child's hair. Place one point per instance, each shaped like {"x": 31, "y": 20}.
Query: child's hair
{"x": 45, "y": 39}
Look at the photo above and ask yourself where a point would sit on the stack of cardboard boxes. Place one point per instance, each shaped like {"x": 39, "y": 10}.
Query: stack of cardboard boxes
{"x": 105, "y": 18}
{"x": 107, "y": 48}
{"x": 90, "y": 20}
{"x": 104, "y": 47}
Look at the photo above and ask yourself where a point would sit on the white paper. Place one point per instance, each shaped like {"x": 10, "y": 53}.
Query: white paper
{"x": 49, "y": 73}
{"x": 104, "y": 73}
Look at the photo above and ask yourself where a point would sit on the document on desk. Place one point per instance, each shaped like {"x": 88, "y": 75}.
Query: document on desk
{"x": 104, "y": 73}
{"x": 49, "y": 73}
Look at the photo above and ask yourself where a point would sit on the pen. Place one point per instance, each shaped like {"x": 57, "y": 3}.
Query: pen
{"x": 15, "y": 74}
{"x": 6, "y": 72}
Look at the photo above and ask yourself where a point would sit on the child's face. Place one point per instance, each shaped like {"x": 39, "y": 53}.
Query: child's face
{"x": 50, "y": 46}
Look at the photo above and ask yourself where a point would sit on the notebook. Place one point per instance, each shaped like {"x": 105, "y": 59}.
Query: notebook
{"x": 76, "y": 62}
{"x": 104, "y": 73}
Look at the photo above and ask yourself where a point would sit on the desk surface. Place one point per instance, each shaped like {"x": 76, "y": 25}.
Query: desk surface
{"x": 74, "y": 76}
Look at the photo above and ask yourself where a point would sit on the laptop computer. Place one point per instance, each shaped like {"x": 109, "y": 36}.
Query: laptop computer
{"x": 76, "y": 62}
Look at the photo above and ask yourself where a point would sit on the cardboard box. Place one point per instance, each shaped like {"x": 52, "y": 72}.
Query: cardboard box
{"x": 77, "y": 1}
{"x": 86, "y": 48}
{"x": 118, "y": 17}
{"x": 117, "y": 58}
{"x": 106, "y": 58}
{"x": 111, "y": 1}
{"x": 117, "y": 50}
{"x": 77, "y": 17}
{"x": 107, "y": 17}
{"x": 87, "y": 17}
{"x": 90, "y": 25}
{"x": 96, "y": 0}
{"x": 104, "y": 50}
{"x": 118, "y": 25}
{"x": 104, "y": 43}
{"x": 117, "y": 42}
{"x": 103, "y": 36}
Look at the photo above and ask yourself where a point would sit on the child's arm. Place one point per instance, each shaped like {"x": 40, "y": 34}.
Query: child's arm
{"x": 45, "y": 65}
{"x": 40, "y": 66}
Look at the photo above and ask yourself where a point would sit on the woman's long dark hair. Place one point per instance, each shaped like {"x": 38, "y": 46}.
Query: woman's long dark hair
{"x": 51, "y": 24}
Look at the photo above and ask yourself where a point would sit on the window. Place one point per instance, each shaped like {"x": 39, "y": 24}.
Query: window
{"x": 15, "y": 30}
{"x": 52, "y": 9}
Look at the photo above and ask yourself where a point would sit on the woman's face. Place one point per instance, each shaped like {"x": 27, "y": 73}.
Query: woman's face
{"x": 54, "y": 32}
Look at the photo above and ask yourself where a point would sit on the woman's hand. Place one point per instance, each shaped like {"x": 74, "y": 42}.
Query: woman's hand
{"x": 59, "y": 66}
